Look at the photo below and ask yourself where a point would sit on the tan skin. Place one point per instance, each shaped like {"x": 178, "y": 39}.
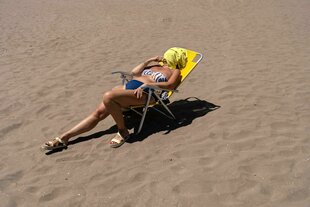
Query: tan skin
{"x": 118, "y": 98}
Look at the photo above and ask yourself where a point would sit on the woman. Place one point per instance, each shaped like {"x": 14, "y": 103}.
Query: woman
{"x": 121, "y": 97}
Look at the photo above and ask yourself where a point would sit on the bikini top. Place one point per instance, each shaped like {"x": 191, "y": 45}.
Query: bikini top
{"x": 157, "y": 76}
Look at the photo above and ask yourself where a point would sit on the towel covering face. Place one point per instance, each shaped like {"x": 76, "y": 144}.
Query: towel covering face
{"x": 176, "y": 57}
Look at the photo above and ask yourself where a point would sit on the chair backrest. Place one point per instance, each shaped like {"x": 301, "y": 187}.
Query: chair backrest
{"x": 193, "y": 58}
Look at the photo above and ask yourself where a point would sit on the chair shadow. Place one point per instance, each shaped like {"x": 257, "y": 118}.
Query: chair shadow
{"x": 185, "y": 111}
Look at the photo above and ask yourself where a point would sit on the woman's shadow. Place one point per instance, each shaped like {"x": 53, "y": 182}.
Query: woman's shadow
{"x": 185, "y": 111}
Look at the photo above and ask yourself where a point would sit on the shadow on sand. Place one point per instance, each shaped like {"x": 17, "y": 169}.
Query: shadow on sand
{"x": 185, "y": 111}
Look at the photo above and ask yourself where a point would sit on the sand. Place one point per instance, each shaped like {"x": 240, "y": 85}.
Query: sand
{"x": 56, "y": 59}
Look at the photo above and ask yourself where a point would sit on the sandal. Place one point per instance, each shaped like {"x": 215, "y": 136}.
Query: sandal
{"x": 56, "y": 143}
{"x": 118, "y": 140}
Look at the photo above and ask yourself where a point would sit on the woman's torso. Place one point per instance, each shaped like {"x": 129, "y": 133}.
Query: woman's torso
{"x": 154, "y": 74}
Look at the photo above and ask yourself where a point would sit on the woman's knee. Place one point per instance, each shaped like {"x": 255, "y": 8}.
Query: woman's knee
{"x": 107, "y": 96}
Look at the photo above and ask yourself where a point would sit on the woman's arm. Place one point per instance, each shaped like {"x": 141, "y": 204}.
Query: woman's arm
{"x": 171, "y": 83}
{"x": 139, "y": 68}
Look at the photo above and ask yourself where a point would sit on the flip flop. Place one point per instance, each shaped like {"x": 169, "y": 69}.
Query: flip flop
{"x": 118, "y": 140}
{"x": 56, "y": 143}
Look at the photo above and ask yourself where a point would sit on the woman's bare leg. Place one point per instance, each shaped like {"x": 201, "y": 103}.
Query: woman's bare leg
{"x": 115, "y": 100}
{"x": 86, "y": 124}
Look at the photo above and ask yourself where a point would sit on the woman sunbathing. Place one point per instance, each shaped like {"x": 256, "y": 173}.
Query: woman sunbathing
{"x": 133, "y": 93}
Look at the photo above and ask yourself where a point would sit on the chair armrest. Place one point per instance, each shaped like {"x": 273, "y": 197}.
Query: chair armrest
{"x": 123, "y": 73}
{"x": 159, "y": 89}
{"x": 124, "y": 76}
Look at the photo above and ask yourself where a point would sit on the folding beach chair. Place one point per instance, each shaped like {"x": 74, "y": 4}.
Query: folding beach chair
{"x": 162, "y": 95}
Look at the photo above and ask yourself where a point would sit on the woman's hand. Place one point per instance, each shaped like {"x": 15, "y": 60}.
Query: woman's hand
{"x": 139, "y": 91}
{"x": 139, "y": 68}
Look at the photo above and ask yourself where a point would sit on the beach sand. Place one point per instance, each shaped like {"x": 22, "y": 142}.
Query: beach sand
{"x": 56, "y": 59}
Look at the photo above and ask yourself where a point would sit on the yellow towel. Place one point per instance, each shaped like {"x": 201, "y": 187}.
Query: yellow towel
{"x": 176, "y": 57}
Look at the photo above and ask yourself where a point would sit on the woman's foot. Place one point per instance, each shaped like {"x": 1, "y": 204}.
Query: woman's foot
{"x": 119, "y": 139}
{"x": 56, "y": 143}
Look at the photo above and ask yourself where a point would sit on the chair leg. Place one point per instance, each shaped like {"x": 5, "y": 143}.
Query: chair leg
{"x": 165, "y": 106}
{"x": 163, "y": 113}
{"x": 145, "y": 110}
